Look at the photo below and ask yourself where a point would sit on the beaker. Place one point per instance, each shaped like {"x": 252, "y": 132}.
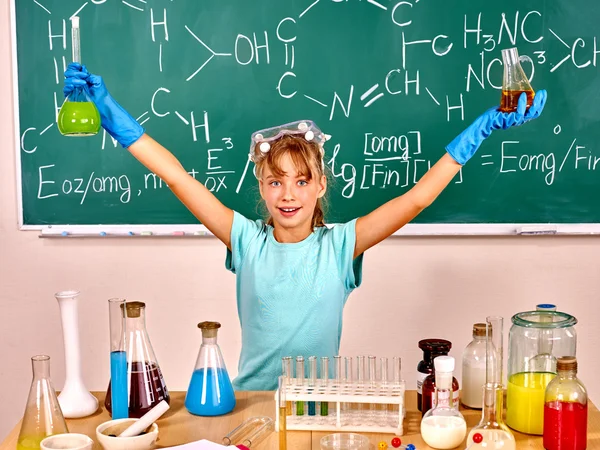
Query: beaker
{"x": 147, "y": 387}
{"x": 527, "y": 380}
{"x": 210, "y": 392}
{"x": 514, "y": 82}
{"x": 43, "y": 416}
{"x": 78, "y": 116}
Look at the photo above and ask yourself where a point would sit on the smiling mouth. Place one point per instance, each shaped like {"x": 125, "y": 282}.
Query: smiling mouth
{"x": 289, "y": 211}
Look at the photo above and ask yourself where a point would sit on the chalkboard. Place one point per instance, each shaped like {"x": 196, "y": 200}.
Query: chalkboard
{"x": 393, "y": 81}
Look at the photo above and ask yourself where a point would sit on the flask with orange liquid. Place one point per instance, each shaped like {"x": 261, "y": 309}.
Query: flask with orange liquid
{"x": 514, "y": 82}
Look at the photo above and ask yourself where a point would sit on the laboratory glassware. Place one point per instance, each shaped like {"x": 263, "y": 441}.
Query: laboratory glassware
{"x": 428, "y": 398}
{"x": 491, "y": 432}
{"x": 300, "y": 382}
{"x": 312, "y": 382}
{"x": 281, "y": 392}
{"x": 443, "y": 426}
{"x": 325, "y": 379}
{"x": 514, "y": 81}
{"x": 346, "y": 441}
{"x": 146, "y": 384}
{"x": 473, "y": 368}
{"x": 43, "y": 416}
{"x": 75, "y": 400}
{"x": 565, "y": 409}
{"x": 250, "y": 433}
{"x": 118, "y": 359}
{"x": 210, "y": 392}
{"x": 78, "y": 116}
{"x": 431, "y": 349}
{"x": 526, "y": 381}
{"x": 286, "y": 366}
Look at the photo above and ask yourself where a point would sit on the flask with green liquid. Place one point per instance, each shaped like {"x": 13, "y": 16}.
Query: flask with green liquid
{"x": 78, "y": 115}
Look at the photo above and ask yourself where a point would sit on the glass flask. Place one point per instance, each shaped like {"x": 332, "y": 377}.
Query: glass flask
{"x": 529, "y": 372}
{"x": 146, "y": 384}
{"x": 565, "y": 409}
{"x": 78, "y": 116}
{"x": 491, "y": 432}
{"x": 514, "y": 82}
{"x": 210, "y": 392}
{"x": 443, "y": 427}
{"x": 473, "y": 368}
{"x": 43, "y": 416}
{"x": 431, "y": 349}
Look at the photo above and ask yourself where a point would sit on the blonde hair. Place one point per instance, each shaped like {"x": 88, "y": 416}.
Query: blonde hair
{"x": 307, "y": 158}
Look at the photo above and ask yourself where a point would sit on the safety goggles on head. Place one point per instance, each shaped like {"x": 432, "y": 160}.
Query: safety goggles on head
{"x": 301, "y": 128}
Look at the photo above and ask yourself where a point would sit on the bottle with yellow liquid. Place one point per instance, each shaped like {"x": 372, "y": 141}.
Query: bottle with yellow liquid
{"x": 43, "y": 416}
{"x": 78, "y": 115}
{"x": 529, "y": 372}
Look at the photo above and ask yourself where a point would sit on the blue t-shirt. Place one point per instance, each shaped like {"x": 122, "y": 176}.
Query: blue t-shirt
{"x": 290, "y": 297}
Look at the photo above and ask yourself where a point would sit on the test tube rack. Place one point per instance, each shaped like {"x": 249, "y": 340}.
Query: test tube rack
{"x": 368, "y": 406}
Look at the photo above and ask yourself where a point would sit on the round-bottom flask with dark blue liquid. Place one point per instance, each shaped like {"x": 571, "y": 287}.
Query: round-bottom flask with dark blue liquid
{"x": 210, "y": 392}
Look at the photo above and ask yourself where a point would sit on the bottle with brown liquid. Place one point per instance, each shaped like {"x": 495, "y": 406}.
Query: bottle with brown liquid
{"x": 514, "y": 82}
{"x": 147, "y": 387}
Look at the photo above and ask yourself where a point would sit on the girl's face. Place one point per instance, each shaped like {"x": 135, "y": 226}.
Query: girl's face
{"x": 291, "y": 198}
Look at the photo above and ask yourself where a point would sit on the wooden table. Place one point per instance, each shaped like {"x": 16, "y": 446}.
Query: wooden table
{"x": 177, "y": 426}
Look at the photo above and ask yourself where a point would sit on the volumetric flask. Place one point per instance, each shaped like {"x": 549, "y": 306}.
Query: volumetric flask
{"x": 78, "y": 115}
{"x": 147, "y": 387}
{"x": 43, "y": 416}
{"x": 514, "y": 82}
{"x": 210, "y": 392}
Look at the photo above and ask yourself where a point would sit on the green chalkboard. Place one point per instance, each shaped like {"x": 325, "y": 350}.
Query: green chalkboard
{"x": 386, "y": 78}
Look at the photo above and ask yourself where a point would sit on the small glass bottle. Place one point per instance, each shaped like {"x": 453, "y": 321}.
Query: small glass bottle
{"x": 431, "y": 348}
{"x": 146, "y": 384}
{"x": 43, "y": 416}
{"x": 443, "y": 427}
{"x": 565, "y": 409}
{"x": 473, "y": 368}
{"x": 210, "y": 392}
{"x": 429, "y": 392}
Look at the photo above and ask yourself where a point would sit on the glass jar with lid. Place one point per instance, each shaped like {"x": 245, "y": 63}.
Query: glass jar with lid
{"x": 536, "y": 340}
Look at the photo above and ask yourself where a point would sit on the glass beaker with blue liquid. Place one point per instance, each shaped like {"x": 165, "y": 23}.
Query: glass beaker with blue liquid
{"x": 210, "y": 392}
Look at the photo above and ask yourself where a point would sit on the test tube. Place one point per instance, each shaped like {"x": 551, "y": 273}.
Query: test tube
{"x": 118, "y": 359}
{"x": 372, "y": 384}
{"x": 283, "y": 414}
{"x": 337, "y": 370}
{"x": 361, "y": 385}
{"x": 286, "y": 368}
{"x": 312, "y": 381}
{"x": 383, "y": 374}
{"x": 397, "y": 374}
{"x": 493, "y": 330}
{"x": 300, "y": 383}
{"x": 324, "y": 382}
{"x": 349, "y": 378}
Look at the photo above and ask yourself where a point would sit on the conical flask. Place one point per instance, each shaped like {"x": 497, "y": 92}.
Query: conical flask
{"x": 78, "y": 116}
{"x": 43, "y": 416}
{"x": 210, "y": 392}
{"x": 514, "y": 82}
{"x": 146, "y": 384}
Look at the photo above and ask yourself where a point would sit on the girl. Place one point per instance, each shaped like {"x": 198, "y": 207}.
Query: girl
{"x": 293, "y": 273}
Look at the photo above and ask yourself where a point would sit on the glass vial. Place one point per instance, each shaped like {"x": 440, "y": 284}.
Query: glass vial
{"x": 210, "y": 392}
{"x": 43, "y": 416}
{"x": 565, "y": 409}
{"x": 474, "y": 369}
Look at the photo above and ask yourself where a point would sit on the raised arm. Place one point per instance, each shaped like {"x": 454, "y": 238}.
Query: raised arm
{"x": 393, "y": 215}
{"x": 120, "y": 125}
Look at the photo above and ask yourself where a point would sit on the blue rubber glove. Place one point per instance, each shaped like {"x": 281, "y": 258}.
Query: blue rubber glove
{"x": 119, "y": 124}
{"x": 464, "y": 146}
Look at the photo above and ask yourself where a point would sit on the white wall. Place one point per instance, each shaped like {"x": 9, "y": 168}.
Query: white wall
{"x": 413, "y": 288}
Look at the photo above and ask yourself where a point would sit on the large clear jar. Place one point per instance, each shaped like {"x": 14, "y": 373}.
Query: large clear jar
{"x": 536, "y": 340}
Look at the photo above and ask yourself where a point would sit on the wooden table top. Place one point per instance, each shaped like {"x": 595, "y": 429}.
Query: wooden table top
{"x": 178, "y": 426}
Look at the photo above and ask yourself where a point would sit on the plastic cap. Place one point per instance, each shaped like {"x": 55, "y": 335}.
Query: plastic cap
{"x": 444, "y": 364}
{"x": 545, "y": 307}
